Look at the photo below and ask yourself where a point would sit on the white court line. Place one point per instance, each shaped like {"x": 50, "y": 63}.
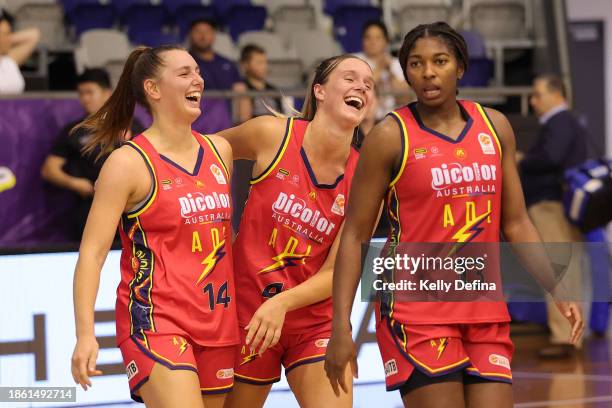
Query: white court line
{"x": 562, "y": 376}
{"x": 560, "y": 403}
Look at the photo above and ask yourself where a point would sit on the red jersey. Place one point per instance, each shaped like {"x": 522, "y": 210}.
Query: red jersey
{"x": 288, "y": 226}
{"x": 446, "y": 191}
{"x": 176, "y": 264}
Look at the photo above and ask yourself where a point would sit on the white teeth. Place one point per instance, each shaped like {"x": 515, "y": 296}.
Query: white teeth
{"x": 355, "y": 99}
{"x": 196, "y": 95}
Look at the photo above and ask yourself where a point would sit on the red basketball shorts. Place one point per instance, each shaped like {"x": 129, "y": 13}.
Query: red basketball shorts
{"x": 482, "y": 350}
{"x": 291, "y": 351}
{"x": 213, "y": 365}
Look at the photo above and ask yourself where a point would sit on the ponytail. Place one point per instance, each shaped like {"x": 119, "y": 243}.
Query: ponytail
{"x": 109, "y": 125}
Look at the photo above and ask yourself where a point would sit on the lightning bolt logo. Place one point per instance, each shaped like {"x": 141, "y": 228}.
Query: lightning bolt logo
{"x": 441, "y": 345}
{"x": 471, "y": 229}
{"x": 288, "y": 257}
{"x": 247, "y": 359}
{"x": 214, "y": 256}
{"x": 182, "y": 345}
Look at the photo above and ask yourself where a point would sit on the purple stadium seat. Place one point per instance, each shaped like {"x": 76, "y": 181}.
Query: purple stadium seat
{"x": 223, "y": 7}
{"x": 89, "y": 14}
{"x": 142, "y": 18}
{"x": 330, "y": 6}
{"x": 349, "y": 22}
{"x": 245, "y": 18}
{"x": 479, "y": 72}
{"x": 186, "y": 11}
{"x": 154, "y": 38}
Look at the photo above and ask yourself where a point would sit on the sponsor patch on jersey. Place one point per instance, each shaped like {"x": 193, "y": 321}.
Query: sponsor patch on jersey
{"x": 420, "y": 153}
{"x": 216, "y": 171}
{"x": 166, "y": 184}
{"x": 390, "y": 368}
{"x": 434, "y": 149}
{"x": 486, "y": 143}
{"x": 225, "y": 373}
{"x": 321, "y": 343}
{"x": 338, "y": 207}
{"x": 460, "y": 153}
{"x": 199, "y": 184}
{"x": 284, "y": 172}
{"x": 131, "y": 370}
{"x": 312, "y": 195}
{"x": 295, "y": 179}
{"x": 498, "y": 360}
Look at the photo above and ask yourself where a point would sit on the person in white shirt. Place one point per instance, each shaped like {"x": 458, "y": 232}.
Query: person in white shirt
{"x": 15, "y": 49}
{"x": 388, "y": 73}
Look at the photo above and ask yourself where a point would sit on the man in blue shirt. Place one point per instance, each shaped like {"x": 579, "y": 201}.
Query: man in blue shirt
{"x": 561, "y": 144}
{"x": 219, "y": 73}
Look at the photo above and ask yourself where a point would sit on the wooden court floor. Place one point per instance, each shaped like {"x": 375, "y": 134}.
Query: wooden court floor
{"x": 582, "y": 381}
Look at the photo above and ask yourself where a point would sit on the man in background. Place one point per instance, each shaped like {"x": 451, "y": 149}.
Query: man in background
{"x": 66, "y": 166}
{"x": 560, "y": 145}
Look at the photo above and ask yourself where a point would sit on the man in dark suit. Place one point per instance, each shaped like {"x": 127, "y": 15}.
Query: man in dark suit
{"x": 561, "y": 144}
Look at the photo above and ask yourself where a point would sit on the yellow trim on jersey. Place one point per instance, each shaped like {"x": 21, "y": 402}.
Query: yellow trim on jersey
{"x": 279, "y": 154}
{"x": 256, "y": 379}
{"x": 302, "y": 359}
{"x": 490, "y": 126}
{"x": 406, "y": 151}
{"x": 437, "y": 370}
{"x": 150, "y": 200}
{"x": 216, "y": 153}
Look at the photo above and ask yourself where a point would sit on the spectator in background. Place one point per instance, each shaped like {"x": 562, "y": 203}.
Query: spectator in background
{"x": 15, "y": 49}
{"x": 388, "y": 73}
{"x": 218, "y": 72}
{"x": 66, "y": 166}
{"x": 560, "y": 145}
{"x": 254, "y": 64}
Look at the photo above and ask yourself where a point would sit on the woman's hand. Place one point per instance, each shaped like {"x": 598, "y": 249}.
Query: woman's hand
{"x": 341, "y": 350}
{"x": 266, "y": 324}
{"x": 571, "y": 311}
{"x": 84, "y": 361}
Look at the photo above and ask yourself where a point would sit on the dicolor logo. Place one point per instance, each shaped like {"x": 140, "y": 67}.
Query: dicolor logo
{"x": 192, "y": 204}
{"x": 290, "y": 205}
{"x": 454, "y": 173}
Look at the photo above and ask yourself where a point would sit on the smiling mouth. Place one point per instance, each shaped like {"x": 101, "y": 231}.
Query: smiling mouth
{"x": 194, "y": 96}
{"x": 354, "y": 102}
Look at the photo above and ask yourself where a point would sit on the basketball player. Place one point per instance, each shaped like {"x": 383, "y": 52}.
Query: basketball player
{"x": 168, "y": 189}
{"x": 286, "y": 246}
{"x": 437, "y": 354}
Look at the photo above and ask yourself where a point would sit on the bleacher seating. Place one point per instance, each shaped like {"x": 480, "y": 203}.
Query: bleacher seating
{"x": 349, "y": 22}
{"x": 102, "y": 48}
{"x": 407, "y": 14}
{"x": 314, "y": 46}
{"x": 47, "y": 15}
{"x": 498, "y": 19}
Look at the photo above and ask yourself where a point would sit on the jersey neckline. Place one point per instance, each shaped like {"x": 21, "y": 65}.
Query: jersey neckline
{"x": 446, "y": 138}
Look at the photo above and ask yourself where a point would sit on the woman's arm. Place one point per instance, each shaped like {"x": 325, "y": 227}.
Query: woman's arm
{"x": 114, "y": 193}
{"x": 380, "y": 155}
{"x": 267, "y": 322}
{"x": 23, "y": 43}
{"x": 518, "y": 228}
{"x": 257, "y": 139}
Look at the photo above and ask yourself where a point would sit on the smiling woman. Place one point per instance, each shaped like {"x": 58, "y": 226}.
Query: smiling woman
{"x": 286, "y": 246}
{"x": 168, "y": 189}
